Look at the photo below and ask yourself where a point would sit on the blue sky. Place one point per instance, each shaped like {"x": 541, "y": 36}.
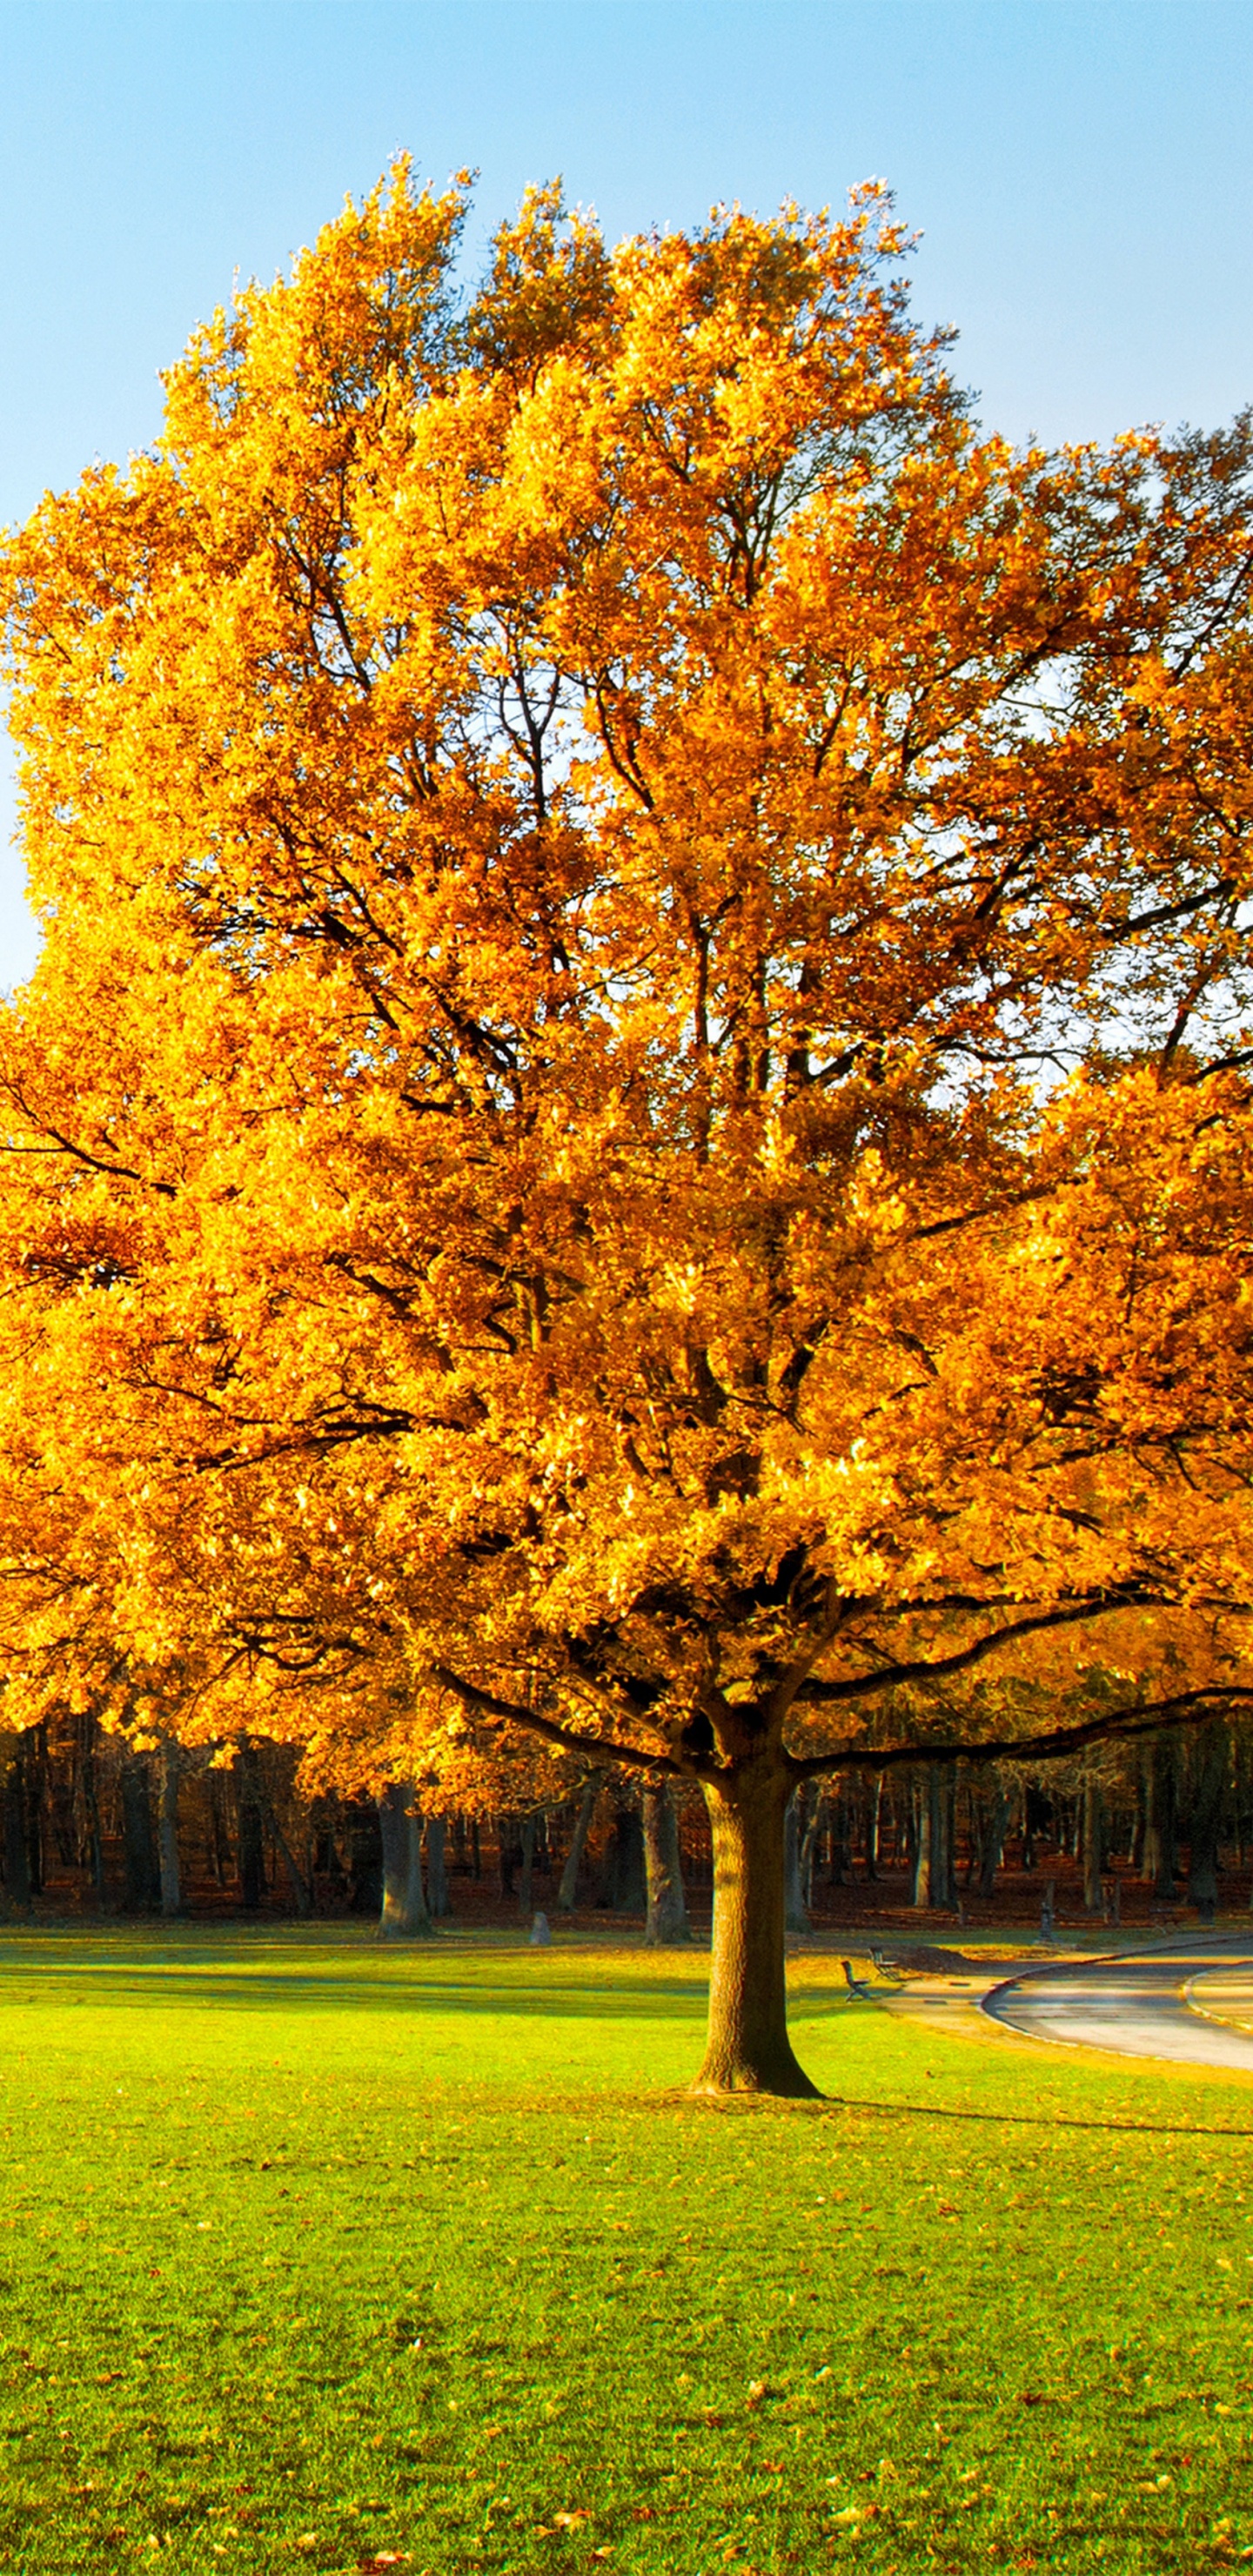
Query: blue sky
{"x": 1080, "y": 171}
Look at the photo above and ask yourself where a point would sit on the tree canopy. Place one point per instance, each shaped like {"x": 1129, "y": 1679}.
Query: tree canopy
{"x": 634, "y": 1122}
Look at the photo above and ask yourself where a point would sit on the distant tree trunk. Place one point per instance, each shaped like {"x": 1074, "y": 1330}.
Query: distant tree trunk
{"x": 17, "y": 1886}
{"x": 924, "y": 1823}
{"x": 404, "y": 1915}
{"x": 301, "y": 1887}
{"x": 838, "y": 1813}
{"x": 36, "y": 1776}
{"x": 1210, "y": 1756}
{"x": 1157, "y": 1866}
{"x": 795, "y": 1917}
{"x": 141, "y": 1890}
{"x": 666, "y": 1923}
{"x": 994, "y": 1840}
{"x": 437, "y": 1895}
{"x": 1093, "y": 1845}
{"x": 90, "y": 1781}
{"x": 568, "y": 1889}
{"x": 251, "y": 1842}
{"x": 874, "y": 1816}
{"x": 527, "y": 1842}
{"x": 221, "y": 1857}
{"x": 809, "y": 1846}
{"x": 1135, "y": 1848}
{"x": 167, "y": 1831}
{"x": 625, "y": 1885}
{"x": 948, "y": 1827}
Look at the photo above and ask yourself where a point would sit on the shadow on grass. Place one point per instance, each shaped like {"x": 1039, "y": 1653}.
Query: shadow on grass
{"x": 70, "y": 1970}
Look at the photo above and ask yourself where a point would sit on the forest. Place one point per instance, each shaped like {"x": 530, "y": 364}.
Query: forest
{"x": 97, "y": 1825}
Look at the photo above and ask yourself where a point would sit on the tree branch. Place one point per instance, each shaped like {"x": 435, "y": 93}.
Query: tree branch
{"x": 503, "y": 1712}
{"x": 924, "y": 1670}
{"x": 1187, "y": 1708}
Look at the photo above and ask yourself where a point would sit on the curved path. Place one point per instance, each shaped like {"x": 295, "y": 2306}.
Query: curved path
{"x": 1154, "y": 2004}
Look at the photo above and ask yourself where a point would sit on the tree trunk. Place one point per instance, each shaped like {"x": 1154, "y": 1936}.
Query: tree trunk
{"x": 437, "y": 1896}
{"x": 809, "y": 1846}
{"x": 874, "y": 1818}
{"x": 142, "y": 1885}
{"x": 36, "y": 1771}
{"x": 994, "y": 1841}
{"x": 1093, "y": 1846}
{"x": 666, "y": 1923}
{"x": 251, "y": 1846}
{"x": 1210, "y": 1756}
{"x": 948, "y": 1830}
{"x": 404, "y": 1914}
{"x": 747, "y": 2049}
{"x": 526, "y": 1840}
{"x": 628, "y": 1893}
{"x": 167, "y": 1831}
{"x": 568, "y": 1889}
{"x": 1157, "y": 1866}
{"x": 91, "y": 1802}
{"x": 16, "y": 1860}
{"x": 921, "y": 1845}
{"x": 795, "y": 1916}
{"x": 301, "y": 1888}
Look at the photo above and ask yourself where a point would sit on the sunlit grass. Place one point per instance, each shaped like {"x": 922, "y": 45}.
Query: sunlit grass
{"x": 312, "y": 2252}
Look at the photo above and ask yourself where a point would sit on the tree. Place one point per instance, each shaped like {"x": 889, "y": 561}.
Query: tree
{"x": 633, "y": 1129}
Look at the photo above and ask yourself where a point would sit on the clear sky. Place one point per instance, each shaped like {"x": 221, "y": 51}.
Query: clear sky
{"x": 1081, "y": 172}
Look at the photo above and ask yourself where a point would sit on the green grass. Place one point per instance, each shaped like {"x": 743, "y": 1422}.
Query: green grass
{"x": 311, "y": 2252}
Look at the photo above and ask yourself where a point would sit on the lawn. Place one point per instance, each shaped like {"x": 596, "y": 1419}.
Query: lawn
{"x": 318, "y": 2255}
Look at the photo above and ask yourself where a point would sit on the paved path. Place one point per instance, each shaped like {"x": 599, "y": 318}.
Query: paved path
{"x": 1153, "y": 2005}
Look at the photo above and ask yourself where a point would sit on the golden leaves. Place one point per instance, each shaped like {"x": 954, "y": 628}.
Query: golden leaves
{"x": 567, "y": 837}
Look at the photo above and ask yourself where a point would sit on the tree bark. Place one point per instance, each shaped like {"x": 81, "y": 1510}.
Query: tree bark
{"x": 666, "y": 1924}
{"x": 404, "y": 1914}
{"x": 568, "y": 1889}
{"x": 167, "y": 1831}
{"x": 747, "y": 2049}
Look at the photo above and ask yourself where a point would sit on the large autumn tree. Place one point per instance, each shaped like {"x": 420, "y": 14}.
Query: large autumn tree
{"x": 634, "y": 1122}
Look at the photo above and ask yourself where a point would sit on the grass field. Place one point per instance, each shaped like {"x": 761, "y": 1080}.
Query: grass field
{"x": 318, "y": 2255}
